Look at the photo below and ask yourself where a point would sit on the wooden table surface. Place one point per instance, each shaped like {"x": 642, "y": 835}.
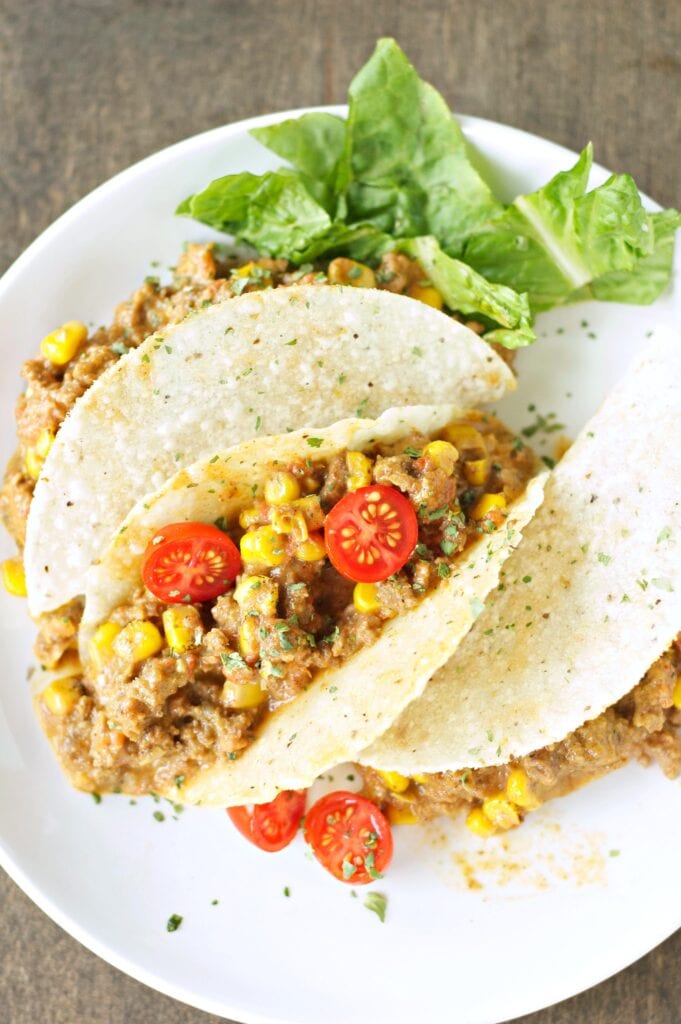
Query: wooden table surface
{"x": 88, "y": 87}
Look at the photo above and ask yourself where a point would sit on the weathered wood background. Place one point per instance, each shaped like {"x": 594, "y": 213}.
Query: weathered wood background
{"x": 89, "y": 86}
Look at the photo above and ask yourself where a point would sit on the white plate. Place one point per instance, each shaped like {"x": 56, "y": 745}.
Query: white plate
{"x": 554, "y": 913}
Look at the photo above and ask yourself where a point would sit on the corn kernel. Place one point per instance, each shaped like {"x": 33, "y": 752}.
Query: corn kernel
{"x": 443, "y": 455}
{"x": 421, "y": 780}
{"x": 365, "y": 598}
{"x": 479, "y": 823}
{"x": 178, "y": 632}
{"x": 245, "y": 271}
{"x": 395, "y": 782}
{"x": 35, "y": 456}
{"x": 345, "y": 271}
{"x": 476, "y": 471}
{"x": 61, "y": 345}
{"x": 518, "y": 791}
{"x": 62, "y": 695}
{"x": 243, "y": 695}
{"x": 249, "y": 640}
{"x": 250, "y": 516}
{"x": 466, "y": 439}
{"x": 290, "y": 522}
{"x": 500, "y": 811}
{"x": 311, "y": 550}
{"x": 401, "y": 815}
{"x": 359, "y": 470}
{"x": 676, "y": 696}
{"x": 282, "y": 488}
{"x": 257, "y": 594}
{"x": 14, "y": 577}
{"x": 262, "y": 546}
{"x": 426, "y": 293}
{"x": 487, "y": 503}
{"x": 100, "y": 647}
{"x": 138, "y": 640}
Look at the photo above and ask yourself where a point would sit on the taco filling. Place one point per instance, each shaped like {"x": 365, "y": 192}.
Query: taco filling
{"x": 230, "y": 622}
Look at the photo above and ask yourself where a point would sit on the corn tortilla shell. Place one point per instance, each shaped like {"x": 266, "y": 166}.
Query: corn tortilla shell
{"x": 344, "y": 709}
{"x": 591, "y": 598}
{"x": 263, "y": 362}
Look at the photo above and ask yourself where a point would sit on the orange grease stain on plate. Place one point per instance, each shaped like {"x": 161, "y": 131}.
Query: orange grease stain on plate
{"x": 536, "y": 857}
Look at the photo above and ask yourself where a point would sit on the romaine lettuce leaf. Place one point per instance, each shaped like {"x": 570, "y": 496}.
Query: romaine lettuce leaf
{"x": 406, "y": 168}
{"x": 313, "y": 144}
{"x": 554, "y": 242}
{"x": 470, "y": 293}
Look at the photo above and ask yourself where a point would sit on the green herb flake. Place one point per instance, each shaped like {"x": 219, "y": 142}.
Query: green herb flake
{"x": 179, "y": 781}
{"x": 664, "y": 534}
{"x": 413, "y": 453}
{"x": 377, "y": 903}
{"x": 527, "y": 579}
{"x": 287, "y": 891}
{"x": 443, "y": 570}
{"x": 96, "y": 797}
{"x": 159, "y": 816}
{"x": 349, "y": 869}
{"x": 233, "y": 661}
{"x": 174, "y": 922}
{"x": 315, "y": 442}
{"x": 416, "y": 351}
{"x": 604, "y": 559}
{"x": 614, "y": 853}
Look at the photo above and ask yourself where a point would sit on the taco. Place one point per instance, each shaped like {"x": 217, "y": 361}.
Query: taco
{"x": 260, "y": 363}
{"x": 587, "y": 604}
{"x": 272, "y": 608}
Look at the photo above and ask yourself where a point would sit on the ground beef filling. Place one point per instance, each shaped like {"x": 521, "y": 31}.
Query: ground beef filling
{"x": 203, "y": 275}
{"x": 642, "y": 726}
{"x": 138, "y": 725}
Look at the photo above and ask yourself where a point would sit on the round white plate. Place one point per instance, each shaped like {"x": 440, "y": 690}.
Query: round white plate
{"x": 477, "y": 932}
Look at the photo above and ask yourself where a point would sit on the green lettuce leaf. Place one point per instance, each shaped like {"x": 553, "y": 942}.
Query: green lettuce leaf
{"x": 650, "y": 274}
{"x": 313, "y": 144}
{"x": 470, "y": 293}
{"x": 554, "y": 242}
{"x": 406, "y": 167}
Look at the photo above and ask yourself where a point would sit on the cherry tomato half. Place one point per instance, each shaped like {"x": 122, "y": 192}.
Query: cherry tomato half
{"x": 350, "y": 837}
{"x": 371, "y": 533}
{"x": 190, "y": 562}
{"x": 270, "y": 826}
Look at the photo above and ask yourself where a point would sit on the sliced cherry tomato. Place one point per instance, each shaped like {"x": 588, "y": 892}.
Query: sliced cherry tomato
{"x": 371, "y": 533}
{"x": 350, "y": 837}
{"x": 270, "y": 826}
{"x": 190, "y": 562}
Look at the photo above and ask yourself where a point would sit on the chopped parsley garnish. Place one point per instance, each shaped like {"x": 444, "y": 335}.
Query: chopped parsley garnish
{"x": 315, "y": 442}
{"x": 179, "y": 780}
{"x": 443, "y": 570}
{"x": 174, "y": 922}
{"x": 233, "y": 661}
{"x": 159, "y": 816}
{"x": 349, "y": 869}
{"x": 377, "y": 903}
{"x": 96, "y": 797}
{"x": 287, "y": 891}
{"x": 604, "y": 559}
{"x": 413, "y": 453}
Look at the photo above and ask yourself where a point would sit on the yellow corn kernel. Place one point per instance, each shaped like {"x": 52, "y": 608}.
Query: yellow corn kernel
{"x": 14, "y": 577}
{"x": 244, "y": 271}
{"x": 243, "y": 695}
{"x": 443, "y": 455}
{"x": 311, "y": 550}
{"x": 426, "y": 293}
{"x": 138, "y": 640}
{"x": 676, "y": 696}
{"x": 282, "y": 488}
{"x": 100, "y": 647}
{"x": 359, "y": 470}
{"x": 249, "y": 516}
{"x": 365, "y": 598}
{"x": 518, "y": 791}
{"x": 479, "y": 823}
{"x": 249, "y": 640}
{"x": 263, "y": 546}
{"x": 257, "y": 594}
{"x": 178, "y": 632}
{"x": 395, "y": 782}
{"x": 487, "y": 503}
{"x": 35, "y": 456}
{"x": 33, "y": 463}
{"x": 421, "y": 780}
{"x": 466, "y": 439}
{"x": 62, "y": 695}
{"x": 61, "y": 345}
{"x": 345, "y": 271}
{"x": 401, "y": 815}
{"x": 290, "y": 522}
{"x": 476, "y": 471}
{"x": 500, "y": 811}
